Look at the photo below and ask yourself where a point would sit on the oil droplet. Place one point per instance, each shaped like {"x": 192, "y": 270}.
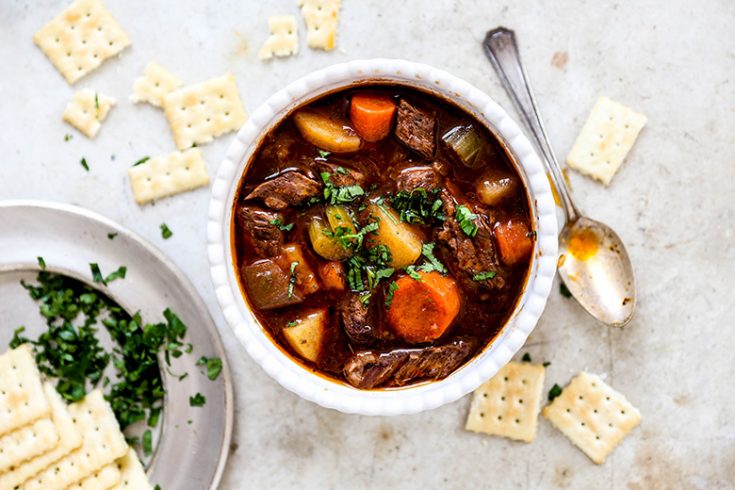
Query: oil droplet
{"x": 583, "y": 244}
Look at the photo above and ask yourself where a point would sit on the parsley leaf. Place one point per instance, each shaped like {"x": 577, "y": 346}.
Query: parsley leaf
{"x": 84, "y": 164}
{"x": 466, "y": 220}
{"x": 554, "y": 392}
{"x": 41, "y": 263}
{"x": 324, "y": 154}
{"x": 413, "y": 273}
{"x": 564, "y": 290}
{"x": 419, "y": 206}
{"x": 111, "y": 236}
{"x": 278, "y": 222}
{"x": 526, "y": 357}
{"x": 546, "y": 363}
{"x": 67, "y": 137}
{"x": 292, "y": 323}
{"x": 96, "y": 102}
{"x": 141, "y": 161}
{"x": 392, "y": 288}
{"x": 214, "y": 366}
{"x": 166, "y": 232}
{"x": 197, "y": 400}
{"x": 433, "y": 264}
{"x": 118, "y": 274}
{"x": 292, "y": 279}
{"x": 337, "y": 195}
{"x": 484, "y": 276}
{"x": 96, "y": 273}
{"x": 147, "y": 442}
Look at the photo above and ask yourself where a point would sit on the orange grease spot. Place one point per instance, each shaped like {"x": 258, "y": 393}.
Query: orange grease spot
{"x": 583, "y": 244}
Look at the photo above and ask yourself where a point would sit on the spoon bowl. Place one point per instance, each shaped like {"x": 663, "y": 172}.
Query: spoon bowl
{"x": 595, "y": 267}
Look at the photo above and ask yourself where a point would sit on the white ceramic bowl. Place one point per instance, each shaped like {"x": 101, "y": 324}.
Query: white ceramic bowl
{"x": 288, "y": 372}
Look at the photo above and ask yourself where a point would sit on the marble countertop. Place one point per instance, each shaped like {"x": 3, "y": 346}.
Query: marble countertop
{"x": 672, "y": 203}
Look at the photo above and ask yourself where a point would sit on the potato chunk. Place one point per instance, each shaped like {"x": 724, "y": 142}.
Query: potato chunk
{"x": 306, "y": 335}
{"x": 402, "y": 239}
{"x": 325, "y": 132}
{"x": 494, "y": 186}
{"x": 305, "y": 279}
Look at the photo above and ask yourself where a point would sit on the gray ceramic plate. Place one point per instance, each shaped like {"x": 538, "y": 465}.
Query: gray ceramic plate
{"x": 193, "y": 442}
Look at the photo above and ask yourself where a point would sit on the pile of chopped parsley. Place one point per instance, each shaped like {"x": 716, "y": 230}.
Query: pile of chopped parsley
{"x": 70, "y": 352}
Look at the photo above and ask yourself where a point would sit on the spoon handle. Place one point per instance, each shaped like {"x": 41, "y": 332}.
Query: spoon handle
{"x": 501, "y": 48}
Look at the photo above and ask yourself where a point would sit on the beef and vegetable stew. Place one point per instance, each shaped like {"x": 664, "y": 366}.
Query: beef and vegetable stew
{"x": 382, "y": 236}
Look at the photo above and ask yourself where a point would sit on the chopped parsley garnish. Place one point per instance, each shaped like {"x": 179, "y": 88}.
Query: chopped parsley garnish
{"x": 375, "y": 275}
{"x": 526, "y": 357}
{"x": 466, "y": 220}
{"x": 84, "y": 164}
{"x": 96, "y": 102}
{"x": 354, "y": 273}
{"x": 337, "y": 195}
{"x": 41, "y": 263}
{"x": 166, "y": 232}
{"x": 365, "y": 298}
{"x": 554, "y": 392}
{"x": 70, "y": 352}
{"x": 324, "y": 154}
{"x": 214, "y": 366}
{"x": 413, "y": 273}
{"x": 546, "y": 363}
{"x": 111, "y": 236}
{"x": 392, "y": 288}
{"x": 484, "y": 276}
{"x": 67, "y": 137}
{"x": 118, "y": 274}
{"x": 197, "y": 400}
{"x": 342, "y": 171}
{"x": 532, "y": 234}
{"x": 141, "y": 161}
{"x": 278, "y": 222}
{"x": 564, "y": 290}
{"x": 292, "y": 279}
{"x": 96, "y": 273}
{"x": 432, "y": 264}
{"x": 292, "y": 323}
{"x": 419, "y": 206}
{"x": 147, "y": 442}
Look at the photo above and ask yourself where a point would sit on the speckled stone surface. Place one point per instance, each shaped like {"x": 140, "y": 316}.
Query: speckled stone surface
{"x": 672, "y": 203}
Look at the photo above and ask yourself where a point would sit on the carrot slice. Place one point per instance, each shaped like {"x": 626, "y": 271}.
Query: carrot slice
{"x": 333, "y": 275}
{"x": 372, "y": 115}
{"x": 514, "y": 241}
{"x": 422, "y": 310}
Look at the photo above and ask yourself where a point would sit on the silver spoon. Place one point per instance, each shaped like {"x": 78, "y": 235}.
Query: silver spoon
{"x": 593, "y": 262}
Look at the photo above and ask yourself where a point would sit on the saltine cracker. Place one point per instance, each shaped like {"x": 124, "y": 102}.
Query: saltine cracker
{"x": 283, "y": 39}
{"x": 154, "y": 84}
{"x": 167, "y": 175}
{"x": 86, "y": 111}
{"x": 22, "y": 399}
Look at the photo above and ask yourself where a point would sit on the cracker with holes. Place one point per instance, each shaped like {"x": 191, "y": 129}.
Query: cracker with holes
{"x": 22, "y": 399}
{"x": 107, "y": 477}
{"x": 27, "y": 442}
{"x": 102, "y": 444}
{"x": 166, "y": 175}
{"x": 154, "y": 84}
{"x": 86, "y": 111}
{"x": 322, "y": 20}
{"x": 508, "y": 404}
{"x": 606, "y": 138}
{"x": 69, "y": 439}
{"x": 80, "y": 38}
{"x": 592, "y": 415}
{"x": 283, "y": 39}
{"x": 132, "y": 474}
{"x": 199, "y": 113}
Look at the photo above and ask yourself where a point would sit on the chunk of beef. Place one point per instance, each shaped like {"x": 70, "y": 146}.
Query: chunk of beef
{"x": 264, "y": 236}
{"x": 286, "y": 190}
{"x": 414, "y": 177}
{"x": 369, "y": 369}
{"x": 268, "y": 285}
{"x": 341, "y": 176}
{"x": 356, "y": 319}
{"x": 473, "y": 255}
{"x": 433, "y": 362}
{"x": 416, "y": 129}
